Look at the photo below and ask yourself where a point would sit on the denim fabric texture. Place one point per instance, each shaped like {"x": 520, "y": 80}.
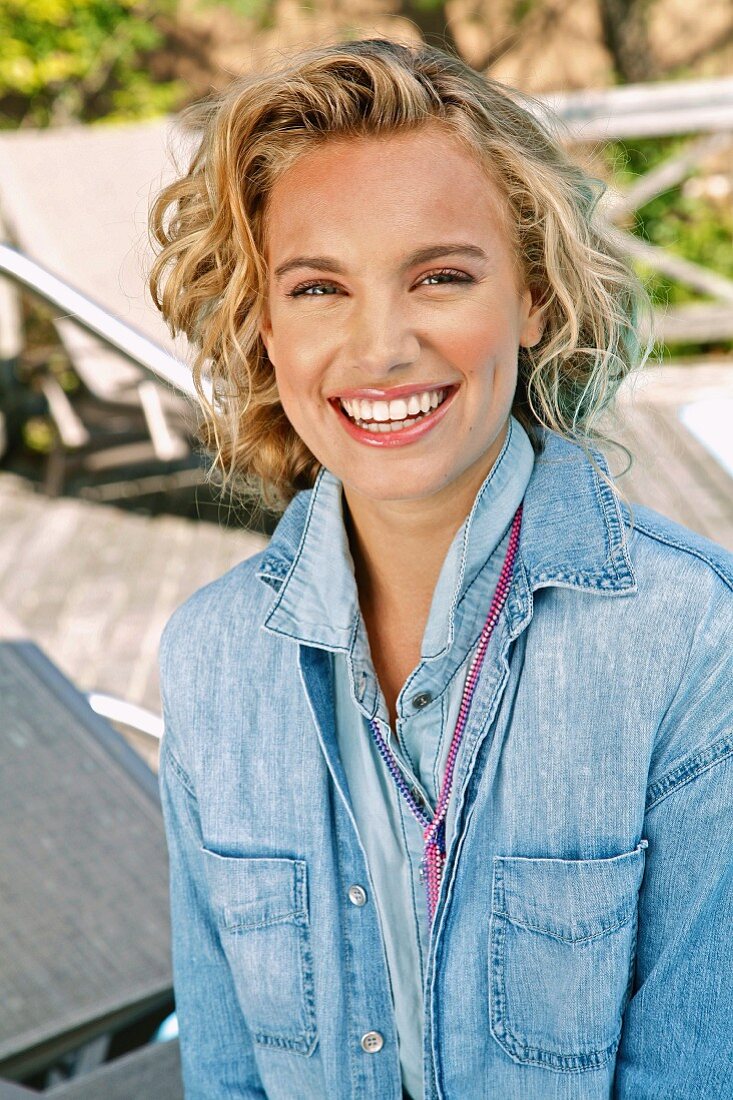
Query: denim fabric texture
{"x": 427, "y": 711}
{"x": 582, "y": 945}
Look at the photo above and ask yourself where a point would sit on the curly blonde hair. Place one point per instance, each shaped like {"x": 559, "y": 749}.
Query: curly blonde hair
{"x": 209, "y": 278}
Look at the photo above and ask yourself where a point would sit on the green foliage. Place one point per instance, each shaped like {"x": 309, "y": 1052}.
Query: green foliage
{"x": 80, "y": 60}
{"x": 261, "y": 11}
{"x": 697, "y": 228}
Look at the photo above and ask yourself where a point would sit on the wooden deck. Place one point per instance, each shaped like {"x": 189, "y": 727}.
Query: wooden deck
{"x": 94, "y": 586}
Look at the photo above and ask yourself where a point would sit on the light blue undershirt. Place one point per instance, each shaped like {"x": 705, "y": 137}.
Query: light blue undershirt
{"x": 390, "y": 834}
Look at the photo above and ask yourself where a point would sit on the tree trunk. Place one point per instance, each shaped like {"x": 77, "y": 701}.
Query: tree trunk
{"x": 432, "y": 22}
{"x": 626, "y": 37}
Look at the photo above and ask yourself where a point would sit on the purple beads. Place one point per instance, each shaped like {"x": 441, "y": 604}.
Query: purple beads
{"x": 434, "y": 828}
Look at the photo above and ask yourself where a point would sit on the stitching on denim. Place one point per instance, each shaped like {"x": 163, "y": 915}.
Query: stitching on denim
{"x": 601, "y": 501}
{"x": 517, "y": 1050}
{"x": 305, "y": 1041}
{"x": 176, "y": 768}
{"x": 412, "y": 882}
{"x": 689, "y": 769}
{"x": 693, "y": 551}
{"x": 252, "y": 926}
{"x": 632, "y": 961}
{"x": 522, "y": 1052}
{"x": 306, "y": 957}
{"x": 469, "y": 521}
{"x": 465, "y": 661}
{"x": 437, "y": 777}
{"x": 297, "y": 555}
{"x": 567, "y": 939}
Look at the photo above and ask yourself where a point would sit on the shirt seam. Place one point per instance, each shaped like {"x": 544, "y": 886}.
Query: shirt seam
{"x": 176, "y": 768}
{"x": 689, "y": 769}
{"x": 667, "y": 540}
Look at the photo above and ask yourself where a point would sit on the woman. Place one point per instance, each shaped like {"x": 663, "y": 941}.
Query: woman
{"x": 448, "y": 768}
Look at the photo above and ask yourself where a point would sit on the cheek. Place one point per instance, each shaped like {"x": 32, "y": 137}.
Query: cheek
{"x": 484, "y": 357}
{"x": 297, "y": 393}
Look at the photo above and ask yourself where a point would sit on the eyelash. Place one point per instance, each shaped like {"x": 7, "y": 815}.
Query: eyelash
{"x": 298, "y": 291}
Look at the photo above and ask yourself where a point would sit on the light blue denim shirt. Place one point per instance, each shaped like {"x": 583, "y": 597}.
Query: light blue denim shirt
{"x": 581, "y": 947}
{"x": 427, "y": 708}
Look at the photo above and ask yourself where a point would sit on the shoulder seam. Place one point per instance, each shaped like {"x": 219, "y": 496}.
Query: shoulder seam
{"x": 639, "y": 525}
{"x": 688, "y": 770}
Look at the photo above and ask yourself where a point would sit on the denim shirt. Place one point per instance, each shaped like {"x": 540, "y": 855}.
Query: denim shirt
{"x": 581, "y": 946}
{"x": 427, "y": 706}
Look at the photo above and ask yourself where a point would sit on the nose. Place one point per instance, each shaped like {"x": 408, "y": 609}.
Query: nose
{"x": 381, "y": 337}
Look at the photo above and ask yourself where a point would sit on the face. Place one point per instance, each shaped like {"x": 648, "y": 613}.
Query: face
{"x": 392, "y": 285}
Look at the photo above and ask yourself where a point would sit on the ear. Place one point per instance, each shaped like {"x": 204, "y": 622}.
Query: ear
{"x": 533, "y": 321}
{"x": 264, "y": 328}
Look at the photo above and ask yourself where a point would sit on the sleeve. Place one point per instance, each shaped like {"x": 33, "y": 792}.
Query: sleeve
{"x": 217, "y": 1055}
{"x": 677, "y": 1034}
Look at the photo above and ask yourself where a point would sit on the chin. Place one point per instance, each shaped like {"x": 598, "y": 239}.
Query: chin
{"x": 394, "y": 486}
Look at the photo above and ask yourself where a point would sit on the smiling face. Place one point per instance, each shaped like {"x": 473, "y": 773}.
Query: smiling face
{"x": 390, "y": 273}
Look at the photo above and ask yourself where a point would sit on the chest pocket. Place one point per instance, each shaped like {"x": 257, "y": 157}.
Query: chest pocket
{"x": 261, "y": 907}
{"x": 562, "y": 948}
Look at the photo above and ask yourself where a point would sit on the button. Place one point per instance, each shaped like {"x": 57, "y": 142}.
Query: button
{"x": 422, "y": 700}
{"x": 417, "y": 796}
{"x": 357, "y": 895}
{"x": 362, "y": 685}
{"x": 372, "y": 1042}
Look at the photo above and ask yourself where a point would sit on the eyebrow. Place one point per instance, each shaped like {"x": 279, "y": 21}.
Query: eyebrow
{"x": 419, "y": 256}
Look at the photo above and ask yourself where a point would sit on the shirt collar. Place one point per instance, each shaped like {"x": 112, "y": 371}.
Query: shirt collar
{"x": 572, "y": 536}
{"x": 497, "y": 499}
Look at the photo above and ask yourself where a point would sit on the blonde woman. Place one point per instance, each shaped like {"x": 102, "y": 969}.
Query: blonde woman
{"x": 447, "y": 770}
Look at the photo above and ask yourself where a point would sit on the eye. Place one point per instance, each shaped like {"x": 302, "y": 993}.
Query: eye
{"x": 449, "y": 273}
{"x": 300, "y": 290}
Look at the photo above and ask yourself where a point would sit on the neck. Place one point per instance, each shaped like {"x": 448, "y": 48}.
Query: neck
{"x": 399, "y": 546}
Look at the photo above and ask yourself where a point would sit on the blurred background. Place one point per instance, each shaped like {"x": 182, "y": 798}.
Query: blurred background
{"x": 107, "y": 519}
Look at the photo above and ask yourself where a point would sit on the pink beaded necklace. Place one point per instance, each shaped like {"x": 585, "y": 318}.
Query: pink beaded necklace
{"x": 434, "y": 828}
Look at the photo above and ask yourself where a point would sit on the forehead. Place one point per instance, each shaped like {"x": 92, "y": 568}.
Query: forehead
{"x": 392, "y": 187}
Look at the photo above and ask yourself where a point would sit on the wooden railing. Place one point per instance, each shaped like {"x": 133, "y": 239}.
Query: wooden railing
{"x": 704, "y": 110}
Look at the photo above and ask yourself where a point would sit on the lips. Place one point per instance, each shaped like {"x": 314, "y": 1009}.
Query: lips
{"x": 402, "y": 436}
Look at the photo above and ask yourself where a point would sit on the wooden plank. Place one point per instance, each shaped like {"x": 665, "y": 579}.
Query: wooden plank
{"x": 674, "y": 474}
{"x": 151, "y": 1073}
{"x": 681, "y": 270}
{"x": 84, "y": 931}
{"x": 619, "y": 205}
{"x": 698, "y": 322}
{"x": 646, "y": 110}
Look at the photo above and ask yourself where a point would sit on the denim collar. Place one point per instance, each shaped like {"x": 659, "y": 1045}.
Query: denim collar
{"x": 572, "y": 537}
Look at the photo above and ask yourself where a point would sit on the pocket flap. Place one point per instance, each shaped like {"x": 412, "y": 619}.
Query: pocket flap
{"x": 573, "y": 899}
{"x": 254, "y": 891}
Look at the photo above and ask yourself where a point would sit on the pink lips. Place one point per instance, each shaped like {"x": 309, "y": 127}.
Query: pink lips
{"x": 393, "y": 392}
{"x": 402, "y": 436}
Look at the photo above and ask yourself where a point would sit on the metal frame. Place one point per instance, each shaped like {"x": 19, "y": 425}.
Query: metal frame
{"x": 117, "y": 334}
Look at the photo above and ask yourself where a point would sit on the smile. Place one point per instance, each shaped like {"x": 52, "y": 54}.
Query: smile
{"x": 389, "y": 416}
{"x": 396, "y": 422}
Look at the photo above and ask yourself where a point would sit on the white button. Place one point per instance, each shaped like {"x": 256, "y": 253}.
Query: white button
{"x": 372, "y": 1042}
{"x": 357, "y": 895}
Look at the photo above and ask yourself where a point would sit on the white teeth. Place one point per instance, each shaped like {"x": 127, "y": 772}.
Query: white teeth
{"x": 397, "y": 410}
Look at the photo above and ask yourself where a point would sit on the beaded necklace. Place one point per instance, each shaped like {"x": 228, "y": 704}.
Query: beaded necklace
{"x": 433, "y": 861}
